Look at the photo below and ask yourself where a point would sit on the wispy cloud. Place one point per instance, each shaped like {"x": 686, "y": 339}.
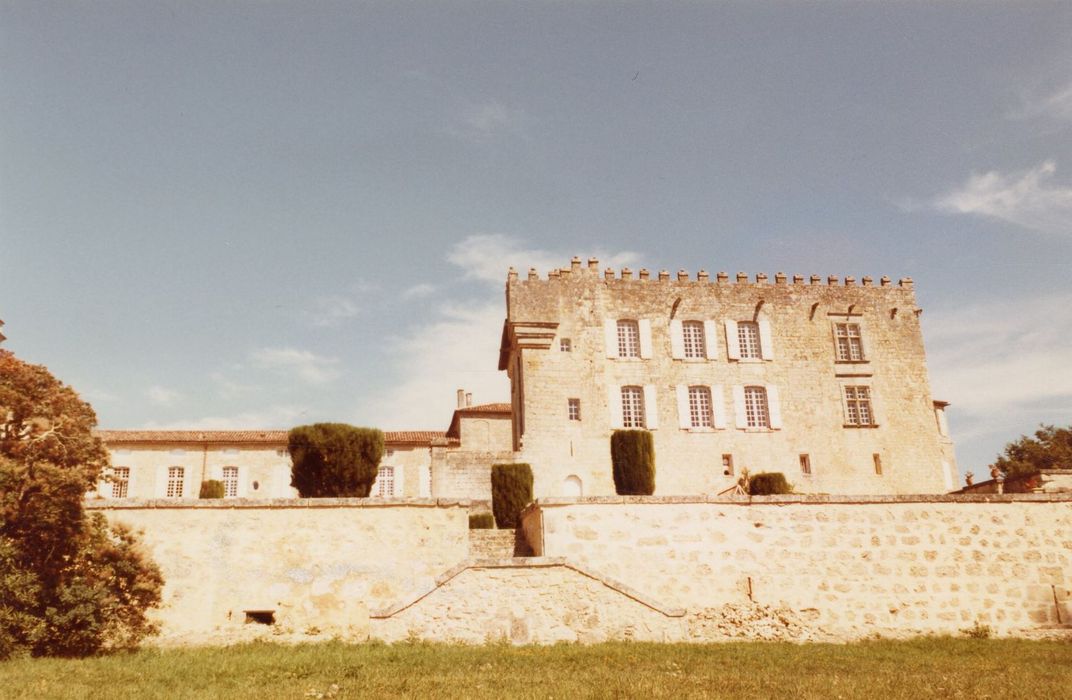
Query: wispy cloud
{"x": 305, "y": 365}
{"x": 460, "y": 349}
{"x": 162, "y": 396}
{"x": 227, "y": 388}
{"x": 1027, "y": 198}
{"x": 419, "y": 291}
{"x": 1056, "y": 105}
{"x": 486, "y": 257}
{"x": 332, "y": 311}
{"x": 479, "y": 121}
{"x": 998, "y": 363}
{"x": 266, "y": 418}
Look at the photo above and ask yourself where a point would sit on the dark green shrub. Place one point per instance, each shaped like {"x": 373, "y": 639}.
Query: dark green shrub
{"x": 768, "y": 484}
{"x": 334, "y": 459}
{"x": 481, "y": 521}
{"x": 632, "y": 452}
{"x": 211, "y": 489}
{"x": 511, "y": 490}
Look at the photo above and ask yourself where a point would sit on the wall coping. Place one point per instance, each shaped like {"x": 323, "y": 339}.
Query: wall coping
{"x": 274, "y": 503}
{"x": 802, "y": 499}
{"x": 524, "y": 563}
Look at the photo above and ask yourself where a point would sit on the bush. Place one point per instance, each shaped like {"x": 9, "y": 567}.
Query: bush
{"x": 211, "y": 489}
{"x": 481, "y": 521}
{"x": 511, "y": 490}
{"x": 632, "y": 452}
{"x": 334, "y": 459}
{"x": 768, "y": 484}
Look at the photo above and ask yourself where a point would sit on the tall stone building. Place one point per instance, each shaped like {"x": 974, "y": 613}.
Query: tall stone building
{"x": 823, "y": 380}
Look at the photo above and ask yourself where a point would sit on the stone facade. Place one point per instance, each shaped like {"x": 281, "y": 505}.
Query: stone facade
{"x": 812, "y": 351}
{"x": 643, "y": 568}
{"x": 424, "y": 464}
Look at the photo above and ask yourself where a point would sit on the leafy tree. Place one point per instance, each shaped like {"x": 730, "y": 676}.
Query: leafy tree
{"x": 334, "y": 459}
{"x": 1051, "y": 448}
{"x": 70, "y": 585}
{"x": 632, "y": 455}
{"x": 768, "y": 484}
{"x": 511, "y": 491}
{"x": 212, "y": 488}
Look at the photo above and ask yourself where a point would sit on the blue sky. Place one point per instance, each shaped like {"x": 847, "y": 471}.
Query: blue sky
{"x": 229, "y": 214}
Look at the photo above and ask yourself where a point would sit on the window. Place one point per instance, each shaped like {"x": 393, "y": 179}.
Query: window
{"x": 727, "y": 465}
{"x": 755, "y": 407}
{"x": 858, "y": 406}
{"x": 805, "y": 465}
{"x": 565, "y": 345}
{"x": 632, "y": 407}
{"x": 121, "y": 479}
{"x": 693, "y": 335}
{"x": 850, "y": 346}
{"x": 174, "y": 482}
{"x": 385, "y": 482}
{"x": 574, "y": 407}
{"x": 230, "y": 482}
{"x": 280, "y": 453}
{"x": 700, "y": 407}
{"x": 877, "y": 459}
{"x": 748, "y": 339}
{"x": 628, "y": 339}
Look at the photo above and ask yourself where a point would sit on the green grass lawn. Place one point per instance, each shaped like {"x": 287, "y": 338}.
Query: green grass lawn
{"x": 928, "y": 667}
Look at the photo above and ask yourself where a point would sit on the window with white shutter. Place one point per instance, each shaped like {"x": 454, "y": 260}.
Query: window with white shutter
{"x": 633, "y": 415}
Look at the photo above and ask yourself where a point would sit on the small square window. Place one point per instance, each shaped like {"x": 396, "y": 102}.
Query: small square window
{"x": 805, "y": 465}
{"x": 565, "y": 345}
{"x": 748, "y": 339}
{"x": 692, "y": 333}
{"x": 727, "y": 465}
{"x": 877, "y": 459}
{"x": 574, "y": 408}
{"x": 120, "y": 482}
{"x": 175, "y": 482}
{"x": 628, "y": 339}
{"x": 633, "y": 407}
{"x": 230, "y": 482}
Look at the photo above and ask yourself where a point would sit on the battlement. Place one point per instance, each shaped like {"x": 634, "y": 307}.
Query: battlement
{"x": 702, "y": 276}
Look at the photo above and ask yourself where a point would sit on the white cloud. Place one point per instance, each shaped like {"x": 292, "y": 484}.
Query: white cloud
{"x": 419, "y": 291}
{"x": 1056, "y": 105}
{"x": 266, "y": 419}
{"x": 228, "y": 389}
{"x": 487, "y": 256}
{"x": 1004, "y": 366}
{"x": 1026, "y": 198}
{"x": 307, "y": 366}
{"x": 460, "y": 350}
{"x": 331, "y": 311}
{"x": 490, "y": 116}
{"x": 162, "y": 396}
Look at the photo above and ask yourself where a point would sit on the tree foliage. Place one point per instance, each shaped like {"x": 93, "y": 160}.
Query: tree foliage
{"x": 768, "y": 484}
{"x": 632, "y": 455}
{"x": 334, "y": 459}
{"x": 70, "y": 585}
{"x": 1050, "y": 448}
{"x": 511, "y": 491}
{"x": 211, "y": 488}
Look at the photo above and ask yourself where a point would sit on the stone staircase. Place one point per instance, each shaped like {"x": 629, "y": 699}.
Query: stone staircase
{"x": 498, "y": 544}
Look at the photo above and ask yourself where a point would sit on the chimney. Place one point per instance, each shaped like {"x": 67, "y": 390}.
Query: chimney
{"x": 469, "y": 399}
{"x": 461, "y": 398}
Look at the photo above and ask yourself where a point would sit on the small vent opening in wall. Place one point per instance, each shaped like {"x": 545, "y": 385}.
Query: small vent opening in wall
{"x": 260, "y": 617}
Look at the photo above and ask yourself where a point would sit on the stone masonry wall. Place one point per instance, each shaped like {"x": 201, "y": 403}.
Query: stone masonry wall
{"x": 575, "y": 303}
{"x": 853, "y": 567}
{"x": 317, "y": 563}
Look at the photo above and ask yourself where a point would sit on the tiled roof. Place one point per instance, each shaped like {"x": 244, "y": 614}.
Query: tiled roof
{"x": 269, "y": 437}
{"x": 495, "y": 409}
{"x": 486, "y": 408}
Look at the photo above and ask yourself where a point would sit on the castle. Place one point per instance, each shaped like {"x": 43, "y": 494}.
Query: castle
{"x": 824, "y": 381}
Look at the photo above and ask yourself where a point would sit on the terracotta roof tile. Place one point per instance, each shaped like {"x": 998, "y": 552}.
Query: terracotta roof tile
{"x": 265, "y": 437}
